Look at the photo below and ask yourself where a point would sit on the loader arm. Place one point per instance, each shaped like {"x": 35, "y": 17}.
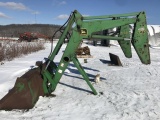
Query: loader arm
{"x": 84, "y": 28}
{"x": 42, "y": 81}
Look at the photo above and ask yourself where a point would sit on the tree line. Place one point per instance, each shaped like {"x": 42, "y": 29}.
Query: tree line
{"x": 14, "y": 30}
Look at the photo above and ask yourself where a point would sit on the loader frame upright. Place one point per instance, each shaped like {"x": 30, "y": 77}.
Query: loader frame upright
{"x": 84, "y": 28}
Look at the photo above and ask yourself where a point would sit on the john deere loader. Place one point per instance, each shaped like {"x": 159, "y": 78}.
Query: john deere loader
{"x": 42, "y": 81}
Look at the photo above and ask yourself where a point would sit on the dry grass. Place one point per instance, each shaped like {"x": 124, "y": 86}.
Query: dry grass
{"x": 11, "y": 49}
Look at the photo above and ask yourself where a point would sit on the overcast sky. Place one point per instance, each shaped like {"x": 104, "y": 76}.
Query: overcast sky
{"x": 57, "y": 11}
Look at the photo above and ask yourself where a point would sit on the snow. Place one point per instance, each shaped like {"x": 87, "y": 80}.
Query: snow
{"x": 9, "y": 38}
{"x": 154, "y": 35}
{"x": 150, "y": 30}
{"x": 130, "y": 92}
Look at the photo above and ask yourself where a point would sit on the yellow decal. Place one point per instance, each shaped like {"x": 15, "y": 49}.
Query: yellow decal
{"x": 83, "y": 31}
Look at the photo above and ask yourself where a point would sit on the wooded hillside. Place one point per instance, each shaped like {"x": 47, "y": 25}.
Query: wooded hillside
{"x": 14, "y": 30}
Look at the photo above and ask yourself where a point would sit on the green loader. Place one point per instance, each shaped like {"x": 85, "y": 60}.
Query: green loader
{"x": 42, "y": 81}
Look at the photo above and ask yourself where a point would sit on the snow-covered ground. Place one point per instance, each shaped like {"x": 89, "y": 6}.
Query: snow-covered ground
{"x": 131, "y": 92}
{"x": 9, "y": 38}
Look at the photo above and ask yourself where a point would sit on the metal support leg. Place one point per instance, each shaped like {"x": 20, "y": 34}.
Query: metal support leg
{"x": 83, "y": 73}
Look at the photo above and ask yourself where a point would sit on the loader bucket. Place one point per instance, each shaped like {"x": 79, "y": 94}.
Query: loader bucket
{"x": 25, "y": 92}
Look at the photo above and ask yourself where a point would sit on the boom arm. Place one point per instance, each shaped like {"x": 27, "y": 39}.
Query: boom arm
{"x": 84, "y": 28}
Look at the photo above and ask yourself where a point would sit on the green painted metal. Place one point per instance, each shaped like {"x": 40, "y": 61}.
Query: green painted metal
{"x": 62, "y": 38}
{"x": 85, "y": 76}
{"x": 33, "y": 94}
{"x": 107, "y": 37}
{"x": 110, "y": 16}
{"x": 125, "y": 44}
{"x": 85, "y": 27}
{"x": 20, "y": 87}
{"x": 140, "y": 38}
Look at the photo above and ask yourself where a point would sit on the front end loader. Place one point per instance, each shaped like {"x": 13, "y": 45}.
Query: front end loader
{"x": 42, "y": 81}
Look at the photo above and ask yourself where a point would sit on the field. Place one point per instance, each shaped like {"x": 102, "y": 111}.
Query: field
{"x": 10, "y": 49}
{"x": 130, "y": 92}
